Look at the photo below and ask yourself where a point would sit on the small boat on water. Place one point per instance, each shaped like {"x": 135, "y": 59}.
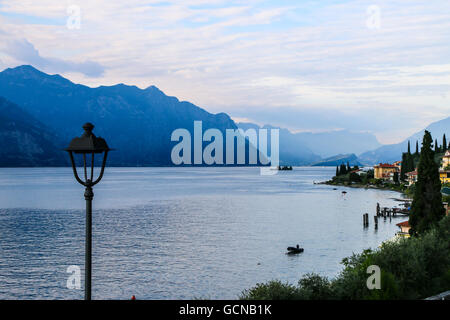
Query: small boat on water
{"x": 283, "y": 168}
{"x": 344, "y": 192}
{"x": 294, "y": 250}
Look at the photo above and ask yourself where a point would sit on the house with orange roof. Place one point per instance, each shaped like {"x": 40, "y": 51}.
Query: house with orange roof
{"x": 404, "y": 229}
{"x": 385, "y": 171}
{"x": 446, "y": 161}
{"x": 444, "y": 170}
{"x": 444, "y": 175}
{"x": 398, "y": 164}
{"x": 411, "y": 177}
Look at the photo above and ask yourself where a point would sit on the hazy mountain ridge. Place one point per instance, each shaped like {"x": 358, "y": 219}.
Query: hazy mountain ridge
{"x": 292, "y": 152}
{"x": 319, "y": 146}
{"x": 339, "y": 159}
{"x": 337, "y": 142}
{"x": 138, "y": 122}
{"x": 393, "y": 152}
{"x": 25, "y": 141}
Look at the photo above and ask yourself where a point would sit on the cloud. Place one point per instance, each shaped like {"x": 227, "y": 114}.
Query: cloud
{"x": 256, "y": 58}
{"x": 25, "y": 52}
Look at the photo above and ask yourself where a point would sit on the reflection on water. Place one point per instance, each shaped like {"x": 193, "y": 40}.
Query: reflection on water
{"x": 169, "y": 233}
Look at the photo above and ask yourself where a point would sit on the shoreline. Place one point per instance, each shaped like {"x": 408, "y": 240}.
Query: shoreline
{"x": 364, "y": 186}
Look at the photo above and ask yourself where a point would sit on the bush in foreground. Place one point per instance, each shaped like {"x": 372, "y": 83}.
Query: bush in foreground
{"x": 413, "y": 268}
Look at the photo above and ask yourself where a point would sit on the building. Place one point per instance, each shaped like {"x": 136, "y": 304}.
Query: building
{"x": 385, "y": 171}
{"x": 357, "y": 171}
{"x": 404, "y": 229}
{"x": 411, "y": 177}
{"x": 447, "y": 208}
{"x": 398, "y": 164}
{"x": 446, "y": 160}
{"x": 444, "y": 175}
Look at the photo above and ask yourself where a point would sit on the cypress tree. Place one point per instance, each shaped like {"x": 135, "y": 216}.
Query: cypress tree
{"x": 444, "y": 143}
{"x": 396, "y": 180}
{"x": 407, "y": 162}
{"x": 436, "y": 146}
{"x": 426, "y": 208}
{"x": 348, "y": 167}
{"x": 404, "y": 167}
{"x": 417, "y": 147}
{"x": 411, "y": 163}
{"x": 342, "y": 169}
{"x": 337, "y": 171}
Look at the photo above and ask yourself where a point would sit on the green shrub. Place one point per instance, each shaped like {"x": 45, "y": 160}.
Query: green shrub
{"x": 272, "y": 290}
{"x": 354, "y": 177}
{"x": 314, "y": 287}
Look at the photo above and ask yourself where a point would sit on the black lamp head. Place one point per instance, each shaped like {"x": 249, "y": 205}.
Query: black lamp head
{"x": 88, "y": 142}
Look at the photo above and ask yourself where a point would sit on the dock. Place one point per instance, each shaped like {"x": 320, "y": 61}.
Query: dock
{"x": 385, "y": 213}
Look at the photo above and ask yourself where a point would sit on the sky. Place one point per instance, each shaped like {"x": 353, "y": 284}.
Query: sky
{"x": 365, "y": 66}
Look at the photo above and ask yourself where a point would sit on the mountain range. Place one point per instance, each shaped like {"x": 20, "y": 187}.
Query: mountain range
{"x": 339, "y": 159}
{"x": 25, "y": 141}
{"x": 322, "y": 144}
{"x": 393, "y": 152}
{"x": 40, "y": 113}
{"x": 138, "y": 122}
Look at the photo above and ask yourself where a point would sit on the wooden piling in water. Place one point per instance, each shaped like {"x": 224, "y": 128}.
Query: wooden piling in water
{"x": 365, "y": 220}
{"x": 375, "y": 219}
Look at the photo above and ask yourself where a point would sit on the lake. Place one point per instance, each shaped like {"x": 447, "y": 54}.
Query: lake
{"x": 179, "y": 233}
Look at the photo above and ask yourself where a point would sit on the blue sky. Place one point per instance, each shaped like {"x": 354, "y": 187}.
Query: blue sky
{"x": 376, "y": 66}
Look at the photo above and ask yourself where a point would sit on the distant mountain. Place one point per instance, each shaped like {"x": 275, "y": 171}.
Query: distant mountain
{"x": 136, "y": 122}
{"x": 139, "y": 123}
{"x": 327, "y": 144}
{"x": 25, "y": 141}
{"x": 339, "y": 159}
{"x": 393, "y": 152}
{"x": 292, "y": 150}
{"x": 323, "y": 144}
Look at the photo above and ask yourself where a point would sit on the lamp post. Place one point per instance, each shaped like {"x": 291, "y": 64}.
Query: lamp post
{"x": 88, "y": 144}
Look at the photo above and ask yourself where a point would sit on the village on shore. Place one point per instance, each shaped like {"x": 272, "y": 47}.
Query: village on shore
{"x": 398, "y": 176}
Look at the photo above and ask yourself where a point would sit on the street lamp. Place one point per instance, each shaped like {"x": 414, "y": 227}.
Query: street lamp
{"x": 88, "y": 144}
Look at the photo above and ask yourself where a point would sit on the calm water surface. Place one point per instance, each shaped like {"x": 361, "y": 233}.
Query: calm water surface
{"x": 178, "y": 233}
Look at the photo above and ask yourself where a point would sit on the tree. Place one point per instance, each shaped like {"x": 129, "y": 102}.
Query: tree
{"x": 337, "y": 171}
{"x": 408, "y": 164}
{"x": 411, "y": 163}
{"x": 409, "y": 147}
{"x": 417, "y": 147}
{"x": 342, "y": 169}
{"x": 348, "y": 167}
{"x": 426, "y": 208}
{"x": 404, "y": 168}
{"x": 436, "y": 146}
{"x": 444, "y": 143}
{"x": 396, "y": 180}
